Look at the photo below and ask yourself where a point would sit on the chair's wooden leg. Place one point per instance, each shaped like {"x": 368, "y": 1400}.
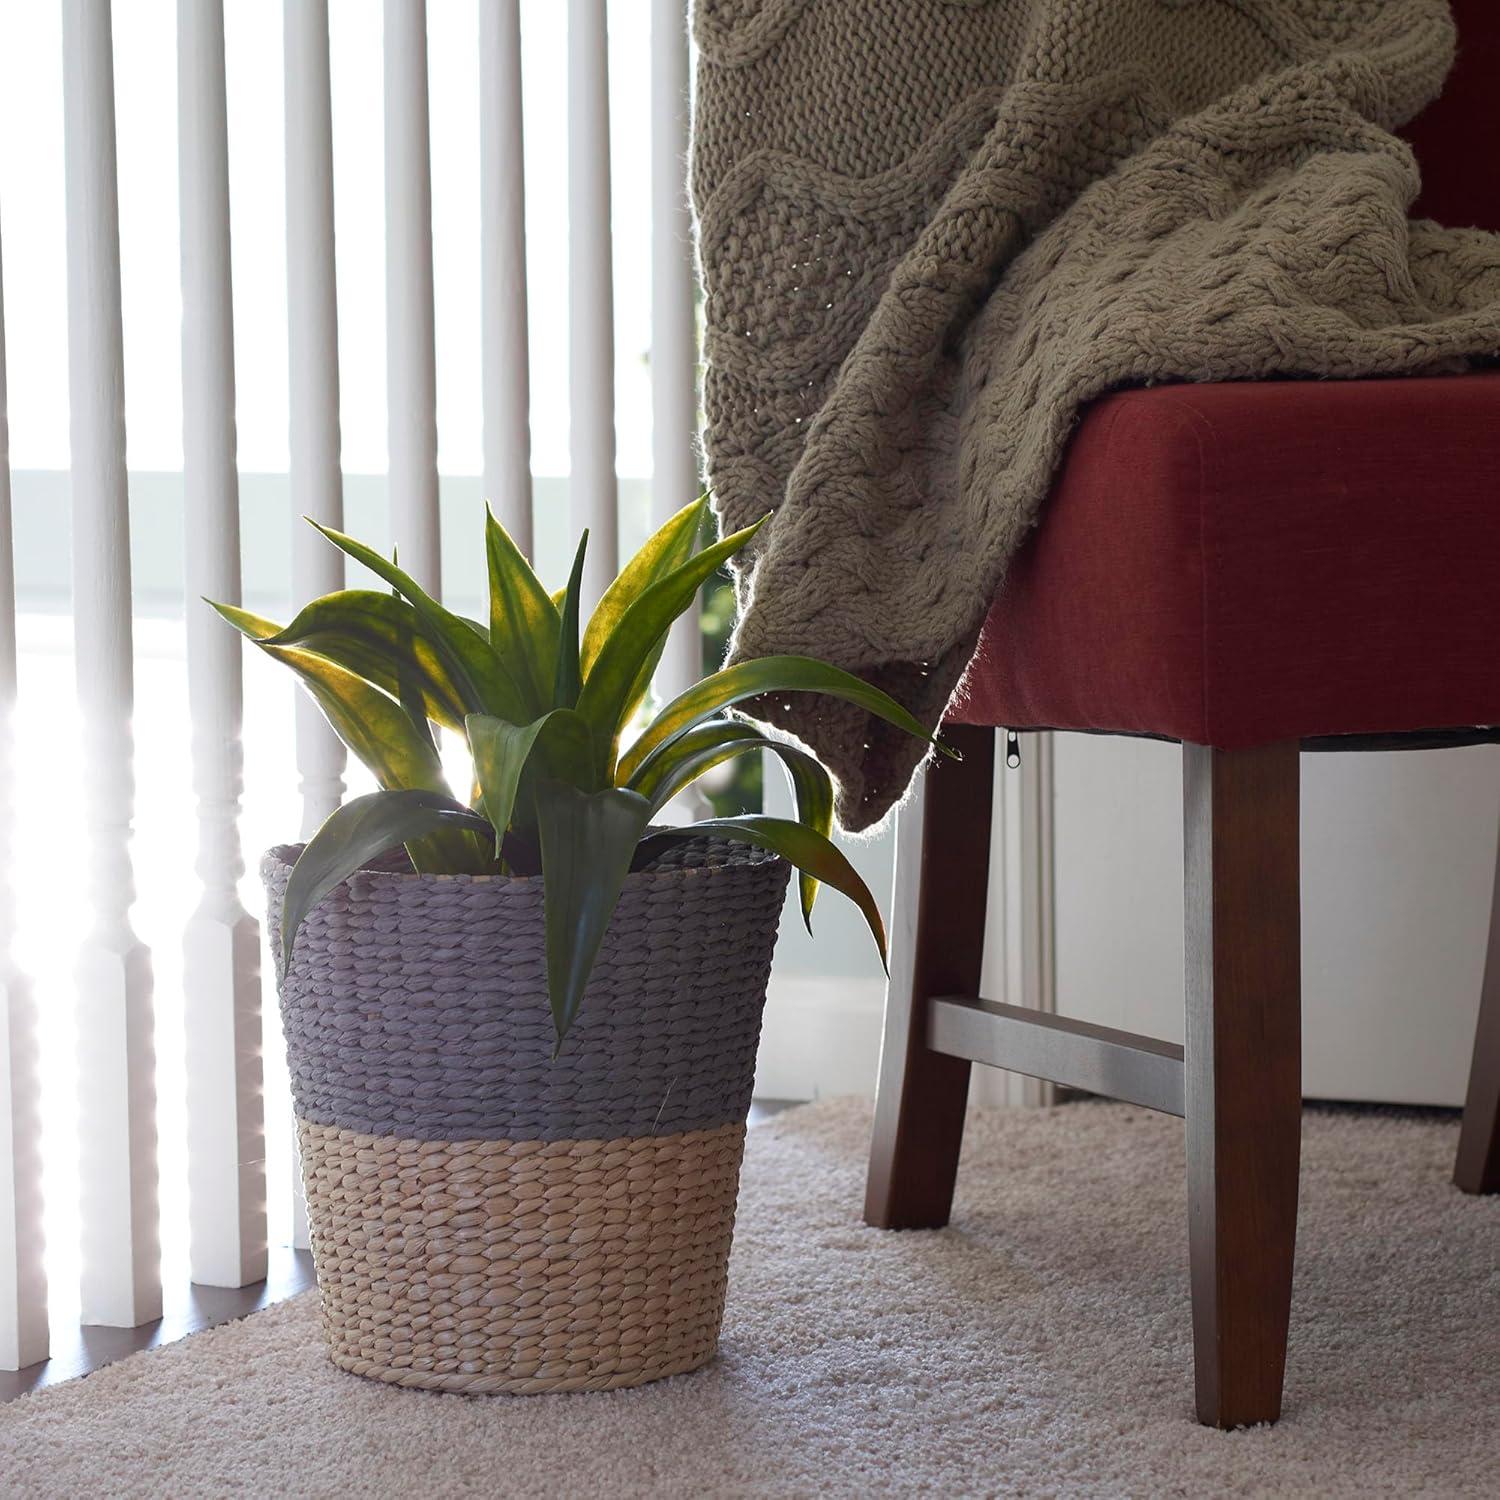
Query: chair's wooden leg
{"x": 1243, "y": 1071}
{"x": 942, "y": 868}
{"x": 1477, "y": 1169}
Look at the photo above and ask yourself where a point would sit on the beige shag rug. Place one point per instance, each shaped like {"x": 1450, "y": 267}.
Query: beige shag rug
{"x": 1040, "y": 1346}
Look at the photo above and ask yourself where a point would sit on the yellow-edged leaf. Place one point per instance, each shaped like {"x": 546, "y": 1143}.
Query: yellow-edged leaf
{"x": 524, "y": 622}
{"x": 667, "y": 549}
{"x": 608, "y": 689}
{"x": 483, "y": 681}
{"x": 371, "y": 723}
{"x": 380, "y": 638}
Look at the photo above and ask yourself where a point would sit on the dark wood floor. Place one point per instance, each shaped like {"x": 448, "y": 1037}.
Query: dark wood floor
{"x": 186, "y": 1309}
{"x": 190, "y": 1309}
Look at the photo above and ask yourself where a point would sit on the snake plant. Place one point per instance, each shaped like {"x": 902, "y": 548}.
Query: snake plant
{"x": 557, "y": 791}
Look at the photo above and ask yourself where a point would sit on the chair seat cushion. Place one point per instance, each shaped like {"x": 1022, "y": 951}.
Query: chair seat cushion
{"x": 1237, "y": 564}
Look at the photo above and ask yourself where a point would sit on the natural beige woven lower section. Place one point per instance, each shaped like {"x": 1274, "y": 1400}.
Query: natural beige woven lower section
{"x": 521, "y": 1266}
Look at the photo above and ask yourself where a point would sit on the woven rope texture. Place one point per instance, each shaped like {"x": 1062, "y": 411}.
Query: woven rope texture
{"x": 521, "y": 1266}
{"x": 417, "y": 1005}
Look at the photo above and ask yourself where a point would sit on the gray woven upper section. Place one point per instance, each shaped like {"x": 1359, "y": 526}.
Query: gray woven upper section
{"x": 417, "y": 1005}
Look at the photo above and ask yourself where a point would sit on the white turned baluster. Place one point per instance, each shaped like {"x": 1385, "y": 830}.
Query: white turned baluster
{"x": 411, "y": 365}
{"x": 317, "y": 484}
{"x": 121, "y": 1281}
{"x": 313, "y": 370}
{"x": 674, "y": 339}
{"x": 23, "y": 1277}
{"x": 221, "y": 948}
{"x": 591, "y": 334}
{"x": 502, "y": 209}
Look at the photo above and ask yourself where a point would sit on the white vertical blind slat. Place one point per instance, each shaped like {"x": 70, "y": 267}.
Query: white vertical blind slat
{"x": 317, "y": 482}
{"x": 221, "y": 946}
{"x": 674, "y": 343}
{"x": 411, "y": 363}
{"x": 121, "y": 1277}
{"x": 502, "y": 206}
{"x": 591, "y": 334}
{"x": 317, "y": 486}
{"x": 23, "y": 1276}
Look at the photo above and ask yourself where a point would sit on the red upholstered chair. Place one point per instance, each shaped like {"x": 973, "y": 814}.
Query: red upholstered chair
{"x": 1253, "y": 570}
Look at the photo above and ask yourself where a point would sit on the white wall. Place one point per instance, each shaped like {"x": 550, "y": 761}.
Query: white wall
{"x": 1398, "y": 857}
{"x": 825, "y": 1008}
{"x": 827, "y": 995}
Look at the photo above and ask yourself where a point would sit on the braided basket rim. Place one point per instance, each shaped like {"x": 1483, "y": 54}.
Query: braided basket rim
{"x": 735, "y": 857}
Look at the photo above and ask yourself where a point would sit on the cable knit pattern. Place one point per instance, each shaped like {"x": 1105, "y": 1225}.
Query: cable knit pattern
{"x": 930, "y": 230}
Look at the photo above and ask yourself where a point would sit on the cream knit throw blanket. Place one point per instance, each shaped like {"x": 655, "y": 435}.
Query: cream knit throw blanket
{"x": 931, "y": 229}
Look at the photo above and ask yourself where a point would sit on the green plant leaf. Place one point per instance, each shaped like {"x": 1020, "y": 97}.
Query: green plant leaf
{"x": 363, "y": 631}
{"x": 683, "y": 760}
{"x": 355, "y": 833}
{"x": 627, "y": 652}
{"x": 750, "y": 679}
{"x": 391, "y": 738}
{"x": 558, "y": 741}
{"x": 810, "y": 851}
{"x": 524, "y": 622}
{"x": 371, "y": 723}
{"x": 500, "y": 750}
{"x": 485, "y": 684}
{"x": 569, "y": 676}
{"x": 812, "y": 786}
{"x": 564, "y": 752}
{"x": 692, "y": 754}
{"x": 409, "y": 682}
{"x": 668, "y": 549}
{"x": 253, "y": 627}
{"x": 380, "y": 637}
{"x": 588, "y": 840}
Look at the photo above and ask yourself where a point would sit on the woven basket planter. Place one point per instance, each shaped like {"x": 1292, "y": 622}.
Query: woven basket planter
{"x": 484, "y": 1218}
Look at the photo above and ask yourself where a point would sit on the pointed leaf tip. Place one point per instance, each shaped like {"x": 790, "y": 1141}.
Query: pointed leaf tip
{"x": 801, "y": 846}
{"x": 568, "y": 680}
{"x": 588, "y": 840}
{"x": 622, "y": 670}
{"x": 666, "y": 549}
{"x": 524, "y": 622}
{"x": 355, "y": 833}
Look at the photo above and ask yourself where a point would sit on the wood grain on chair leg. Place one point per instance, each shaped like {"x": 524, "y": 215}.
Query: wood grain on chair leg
{"x": 1243, "y": 1078}
{"x": 942, "y": 874}
{"x": 1477, "y": 1169}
